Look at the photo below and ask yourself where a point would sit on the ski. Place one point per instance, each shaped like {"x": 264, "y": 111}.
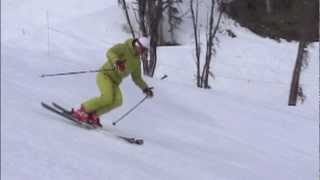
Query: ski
{"x": 61, "y": 108}
{"x": 66, "y": 116}
{"x": 57, "y": 109}
{"x": 128, "y": 139}
{"x": 69, "y": 113}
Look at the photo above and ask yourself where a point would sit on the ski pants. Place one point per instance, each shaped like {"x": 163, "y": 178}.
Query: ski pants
{"x": 109, "y": 99}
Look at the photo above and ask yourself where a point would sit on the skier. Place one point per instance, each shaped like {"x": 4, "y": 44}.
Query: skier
{"x": 123, "y": 59}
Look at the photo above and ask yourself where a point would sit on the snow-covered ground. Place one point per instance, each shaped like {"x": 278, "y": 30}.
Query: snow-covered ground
{"x": 242, "y": 128}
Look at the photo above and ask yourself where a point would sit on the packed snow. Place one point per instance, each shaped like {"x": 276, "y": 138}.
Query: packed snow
{"x": 240, "y": 129}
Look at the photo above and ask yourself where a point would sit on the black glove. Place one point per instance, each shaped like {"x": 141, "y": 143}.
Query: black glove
{"x": 148, "y": 91}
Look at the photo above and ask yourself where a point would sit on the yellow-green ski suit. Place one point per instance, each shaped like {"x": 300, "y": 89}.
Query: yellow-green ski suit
{"x": 109, "y": 78}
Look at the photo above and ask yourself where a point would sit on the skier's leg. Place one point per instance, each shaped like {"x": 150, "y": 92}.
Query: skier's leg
{"x": 116, "y": 103}
{"x": 107, "y": 97}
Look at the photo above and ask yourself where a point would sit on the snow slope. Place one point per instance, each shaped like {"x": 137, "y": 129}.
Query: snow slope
{"x": 240, "y": 129}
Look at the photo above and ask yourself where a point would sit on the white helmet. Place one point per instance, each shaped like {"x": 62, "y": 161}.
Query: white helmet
{"x": 144, "y": 42}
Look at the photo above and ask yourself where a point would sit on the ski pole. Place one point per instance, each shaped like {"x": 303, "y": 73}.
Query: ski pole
{"x": 133, "y": 108}
{"x": 75, "y": 72}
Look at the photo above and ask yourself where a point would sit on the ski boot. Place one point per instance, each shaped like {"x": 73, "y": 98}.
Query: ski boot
{"x": 81, "y": 115}
{"x": 94, "y": 120}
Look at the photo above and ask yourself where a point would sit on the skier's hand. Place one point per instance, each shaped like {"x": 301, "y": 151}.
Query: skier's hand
{"x": 148, "y": 92}
{"x": 120, "y": 65}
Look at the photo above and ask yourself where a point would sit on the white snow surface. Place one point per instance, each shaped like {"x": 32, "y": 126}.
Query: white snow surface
{"x": 240, "y": 129}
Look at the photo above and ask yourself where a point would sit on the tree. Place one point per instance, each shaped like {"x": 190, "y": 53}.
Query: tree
{"x": 203, "y": 80}
{"x": 142, "y": 6}
{"x": 209, "y": 48}
{"x": 125, "y": 9}
{"x": 268, "y": 6}
{"x": 174, "y": 20}
{"x": 295, "y": 89}
{"x": 196, "y": 33}
{"x": 150, "y": 15}
{"x": 154, "y": 15}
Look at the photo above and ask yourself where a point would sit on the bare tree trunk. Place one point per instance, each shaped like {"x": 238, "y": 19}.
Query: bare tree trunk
{"x": 194, "y": 14}
{"x": 142, "y": 8}
{"x": 210, "y": 38}
{"x": 173, "y": 17}
{"x": 127, "y": 17}
{"x": 153, "y": 57}
{"x": 294, "y": 90}
{"x": 203, "y": 79}
{"x": 161, "y": 35}
{"x": 268, "y": 6}
{"x": 150, "y": 14}
{"x": 142, "y": 14}
{"x": 154, "y": 15}
{"x": 171, "y": 25}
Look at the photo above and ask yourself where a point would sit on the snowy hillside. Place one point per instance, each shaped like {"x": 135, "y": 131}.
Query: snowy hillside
{"x": 241, "y": 129}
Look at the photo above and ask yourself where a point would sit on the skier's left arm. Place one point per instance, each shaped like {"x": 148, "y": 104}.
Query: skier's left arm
{"x": 137, "y": 79}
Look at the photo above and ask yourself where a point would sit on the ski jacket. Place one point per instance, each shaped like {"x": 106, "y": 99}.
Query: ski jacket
{"x": 124, "y": 52}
